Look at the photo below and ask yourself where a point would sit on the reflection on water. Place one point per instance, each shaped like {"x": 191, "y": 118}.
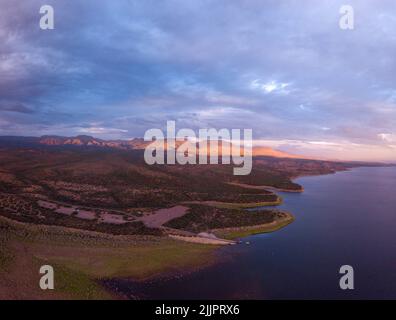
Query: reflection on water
{"x": 346, "y": 218}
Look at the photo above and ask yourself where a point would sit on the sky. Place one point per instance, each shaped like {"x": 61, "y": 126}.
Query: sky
{"x": 283, "y": 68}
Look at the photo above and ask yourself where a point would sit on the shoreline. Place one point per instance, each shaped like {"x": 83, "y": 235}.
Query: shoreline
{"x": 83, "y": 257}
{"x": 264, "y": 187}
{"x": 109, "y": 257}
{"x": 137, "y": 257}
{"x": 225, "y": 233}
{"x": 246, "y": 231}
{"x": 111, "y": 285}
{"x": 145, "y": 259}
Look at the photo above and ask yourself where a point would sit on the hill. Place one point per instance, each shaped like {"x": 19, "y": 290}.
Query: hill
{"x": 132, "y": 144}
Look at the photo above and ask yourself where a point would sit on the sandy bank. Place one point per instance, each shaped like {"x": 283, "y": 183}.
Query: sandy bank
{"x": 203, "y": 240}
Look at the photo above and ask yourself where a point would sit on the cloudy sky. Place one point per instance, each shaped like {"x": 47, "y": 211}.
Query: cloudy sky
{"x": 284, "y": 68}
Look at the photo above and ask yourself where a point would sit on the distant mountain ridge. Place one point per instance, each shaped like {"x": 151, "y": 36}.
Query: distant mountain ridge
{"x": 84, "y": 140}
{"x": 89, "y": 141}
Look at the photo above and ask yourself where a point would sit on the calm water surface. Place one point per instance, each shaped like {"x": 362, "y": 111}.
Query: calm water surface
{"x": 345, "y": 218}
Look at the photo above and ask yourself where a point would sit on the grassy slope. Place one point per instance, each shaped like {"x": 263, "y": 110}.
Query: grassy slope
{"x": 81, "y": 257}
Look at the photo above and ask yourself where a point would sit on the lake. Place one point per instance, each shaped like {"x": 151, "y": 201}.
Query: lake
{"x": 348, "y": 218}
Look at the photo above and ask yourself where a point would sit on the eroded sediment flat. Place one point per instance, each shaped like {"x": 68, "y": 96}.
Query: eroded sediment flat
{"x": 162, "y": 216}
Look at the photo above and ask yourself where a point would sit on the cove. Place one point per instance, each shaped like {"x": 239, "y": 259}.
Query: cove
{"x": 347, "y": 218}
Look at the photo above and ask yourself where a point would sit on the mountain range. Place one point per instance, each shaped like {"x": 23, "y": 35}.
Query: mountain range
{"x": 132, "y": 144}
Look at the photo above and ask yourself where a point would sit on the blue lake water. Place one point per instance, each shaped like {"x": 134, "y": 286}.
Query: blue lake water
{"x": 348, "y": 218}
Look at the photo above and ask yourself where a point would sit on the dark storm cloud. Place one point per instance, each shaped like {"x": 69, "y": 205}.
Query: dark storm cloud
{"x": 284, "y": 68}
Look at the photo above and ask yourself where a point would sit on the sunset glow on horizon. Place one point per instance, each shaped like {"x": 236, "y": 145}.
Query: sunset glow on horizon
{"x": 285, "y": 70}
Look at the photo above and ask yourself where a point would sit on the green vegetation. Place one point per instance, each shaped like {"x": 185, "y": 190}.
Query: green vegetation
{"x": 229, "y": 205}
{"x": 139, "y": 261}
{"x": 241, "y": 232}
{"x": 77, "y": 285}
{"x": 80, "y": 258}
{"x": 121, "y": 180}
{"x": 200, "y": 218}
{"x": 6, "y": 256}
{"x": 115, "y": 182}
